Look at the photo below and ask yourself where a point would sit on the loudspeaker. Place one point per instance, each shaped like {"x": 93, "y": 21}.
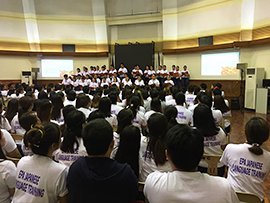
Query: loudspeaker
{"x": 241, "y": 66}
{"x": 235, "y": 104}
{"x": 68, "y": 47}
{"x": 26, "y": 73}
{"x": 205, "y": 41}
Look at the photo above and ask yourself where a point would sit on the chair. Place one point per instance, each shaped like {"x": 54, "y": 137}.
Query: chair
{"x": 17, "y": 138}
{"x": 212, "y": 162}
{"x": 248, "y": 198}
{"x": 14, "y": 160}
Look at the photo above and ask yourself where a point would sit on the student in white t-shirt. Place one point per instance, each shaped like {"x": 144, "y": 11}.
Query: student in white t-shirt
{"x": 40, "y": 179}
{"x": 155, "y": 105}
{"x": 185, "y": 183}
{"x": 154, "y": 82}
{"x": 115, "y": 109}
{"x": 72, "y": 145}
{"x": 249, "y": 163}
{"x": 190, "y": 96}
{"x": 215, "y": 139}
{"x": 152, "y": 151}
{"x": 105, "y": 109}
{"x": 139, "y": 118}
{"x": 4, "y": 123}
{"x": 83, "y": 103}
{"x": 184, "y": 116}
{"x": 7, "y": 180}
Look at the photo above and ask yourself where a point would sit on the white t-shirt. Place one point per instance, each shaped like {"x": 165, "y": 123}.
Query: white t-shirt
{"x": 139, "y": 83}
{"x": 85, "y": 111}
{"x": 212, "y": 146}
{"x": 115, "y": 109}
{"x": 112, "y": 120}
{"x": 147, "y": 163}
{"x": 7, "y": 179}
{"x": 190, "y": 99}
{"x": 69, "y": 158}
{"x": 139, "y": 120}
{"x": 10, "y": 144}
{"x": 184, "y": 116}
{"x": 16, "y": 127}
{"x": 5, "y": 124}
{"x": 68, "y": 102}
{"x": 218, "y": 117}
{"x": 188, "y": 187}
{"x": 148, "y": 114}
{"x": 154, "y": 82}
{"x": 39, "y": 179}
{"x": 247, "y": 171}
{"x": 169, "y": 82}
{"x": 125, "y": 82}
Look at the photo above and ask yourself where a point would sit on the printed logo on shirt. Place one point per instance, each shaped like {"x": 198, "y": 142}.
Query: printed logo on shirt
{"x": 27, "y": 181}
{"x": 181, "y": 115}
{"x": 249, "y": 168}
{"x": 211, "y": 141}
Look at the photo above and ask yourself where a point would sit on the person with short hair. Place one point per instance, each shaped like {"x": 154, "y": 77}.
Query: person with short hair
{"x": 185, "y": 184}
{"x": 249, "y": 163}
{"x": 97, "y": 178}
{"x": 39, "y": 178}
{"x": 184, "y": 116}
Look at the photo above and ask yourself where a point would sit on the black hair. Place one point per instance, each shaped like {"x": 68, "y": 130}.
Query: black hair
{"x": 66, "y": 110}
{"x": 217, "y": 92}
{"x": 124, "y": 118}
{"x": 257, "y": 132}
{"x": 74, "y": 124}
{"x": 129, "y": 147}
{"x": 207, "y": 100}
{"x": 28, "y": 119}
{"x": 41, "y": 138}
{"x": 170, "y": 112}
{"x": 184, "y": 147}
{"x": 191, "y": 88}
{"x": 154, "y": 93}
{"x": 203, "y": 86}
{"x": 44, "y": 110}
{"x": 157, "y": 125}
{"x": 134, "y": 105}
{"x": 83, "y": 101}
{"x": 219, "y": 103}
{"x": 97, "y": 136}
{"x": 43, "y": 95}
{"x": 204, "y": 121}
{"x": 105, "y": 106}
{"x": 12, "y": 109}
{"x": 94, "y": 115}
{"x": 25, "y": 104}
{"x": 155, "y": 105}
{"x": 180, "y": 98}
{"x": 113, "y": 97}
{"x": 71, "y": 95}
{"x": 57, "y": 103}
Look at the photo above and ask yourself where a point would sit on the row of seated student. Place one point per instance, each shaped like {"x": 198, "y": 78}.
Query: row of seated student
{"x": 109, "y": 148}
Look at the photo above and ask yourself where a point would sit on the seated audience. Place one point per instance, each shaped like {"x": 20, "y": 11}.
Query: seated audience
{"x": 71, "y": 147}
{"x": 185, "y": 184}
{"x": 97, "y": 178}
{"x": 152, "y": 152}
{"x": 249, "y": 163}
{"x": 215, "y": 139}
{"x": 39, "y": 178}
{"x": 184, "y": 116}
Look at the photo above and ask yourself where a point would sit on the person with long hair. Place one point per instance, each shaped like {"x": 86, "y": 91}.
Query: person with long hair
{"x": 215, "y": 139}
{"x": 26, "y": 104}
{"x": 12, "y": 109}
{"x": 152, "y": 151}
{"x": 57, "y": 114}
{"x": 170, "y": 112}
{"x": 249, "y": 163}
{"x": 138, "y": 116}
{"x": 72, "y": 145}
{"x": 220, "y": 104}
{"x": 124, "y": 119}
{"x": 39, "y": 178}
{"x": 105, "y": 109}
{"x": 155, "y": 105}
{"x": 83, "y": 104}
{"x": 129, "y": 147}
{"x": 44, "y": 110}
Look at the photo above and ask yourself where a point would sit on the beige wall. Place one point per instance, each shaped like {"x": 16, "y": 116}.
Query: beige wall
{"x": 255, "y": 57}
{"x": 12, "y": 66}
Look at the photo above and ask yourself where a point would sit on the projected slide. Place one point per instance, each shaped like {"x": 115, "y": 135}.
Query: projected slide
{"x": 54, "y": 68}
{"x": 219, "y": 64}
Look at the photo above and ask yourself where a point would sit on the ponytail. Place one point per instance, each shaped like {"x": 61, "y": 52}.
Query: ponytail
{"x": 256, "y": 149}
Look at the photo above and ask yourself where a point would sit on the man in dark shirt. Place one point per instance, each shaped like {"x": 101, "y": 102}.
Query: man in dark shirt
{"x": 97, "y": 178}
